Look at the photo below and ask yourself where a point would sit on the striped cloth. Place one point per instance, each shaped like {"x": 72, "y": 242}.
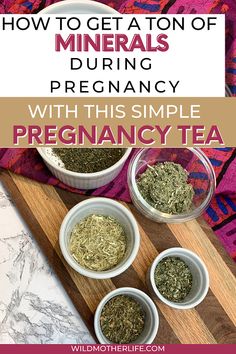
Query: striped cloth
{"x": 221, "y": 215}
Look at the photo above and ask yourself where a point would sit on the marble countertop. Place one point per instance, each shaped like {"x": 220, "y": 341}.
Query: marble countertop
{"x": 34, "y": 308}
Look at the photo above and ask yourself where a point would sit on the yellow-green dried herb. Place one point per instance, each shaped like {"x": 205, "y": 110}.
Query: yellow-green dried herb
{"x": 173, "y": 278}
{"x": 165, "y": 187}
{"x": 88, "y": 160}
{"x": 122, "y": 319}
{"x": 98, "y": 242}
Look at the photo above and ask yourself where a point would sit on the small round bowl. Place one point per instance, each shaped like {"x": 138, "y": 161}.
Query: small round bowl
{"x": 199, "y": 272}
{"x": 84, "y": 180}
{"x": 78, "y": 7}
{"x": 102, "y": 206}
{"x": 201, "y": 176}
{"x": 151, "y": 321}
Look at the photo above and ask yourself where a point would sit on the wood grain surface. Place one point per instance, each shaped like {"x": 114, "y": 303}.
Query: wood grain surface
{"x": 43, "y": 207}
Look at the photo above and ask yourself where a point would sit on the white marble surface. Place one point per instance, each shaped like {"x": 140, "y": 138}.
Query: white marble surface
{"x": 34, "y": 307}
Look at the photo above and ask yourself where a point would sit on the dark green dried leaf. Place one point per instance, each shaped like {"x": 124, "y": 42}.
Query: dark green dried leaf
{"x": 88, "y": 160}
{"x": 173, "y": 278}
{"x": 122, "y": 319}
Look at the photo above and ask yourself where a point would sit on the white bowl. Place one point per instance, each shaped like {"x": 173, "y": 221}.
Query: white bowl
{"x": 151, "y": 321}
{"x": 84, "y": 180}
{"x": 78, "y": 7}
{"x": 102, "y": 206}
{"x": 199, "y": 272}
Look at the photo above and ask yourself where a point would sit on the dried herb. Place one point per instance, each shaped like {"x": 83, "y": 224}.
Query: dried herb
{"x": 122, "y": 319}
{"x": 88, "y": 160}
{"x": 165, "y": 187}
{"x": 98, "y": 242}
{"x": 173, "y": 278}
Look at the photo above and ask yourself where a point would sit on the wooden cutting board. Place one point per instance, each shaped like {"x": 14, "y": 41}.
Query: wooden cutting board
{"x": 43, "y": 207}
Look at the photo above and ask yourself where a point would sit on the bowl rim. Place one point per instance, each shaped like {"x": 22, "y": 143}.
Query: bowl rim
{"x": 95, "y": 4}
{"x": 179, "y": 252}
{"x": 84, "y": 175}
{"x": 127, "y": 291}
{"x": 100, "y": 274}
{"x": 158, "y": 215}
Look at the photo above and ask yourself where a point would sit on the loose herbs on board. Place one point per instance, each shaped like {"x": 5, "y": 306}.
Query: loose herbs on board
{"x": 122, "y": 319}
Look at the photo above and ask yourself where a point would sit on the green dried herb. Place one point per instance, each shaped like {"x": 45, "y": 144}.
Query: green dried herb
{"x": 173, "y": 278}
{"x": 98, "y": 242}
{"x": 122, "y": 319}
{"x": 88, "y": 160}
{"x": 165, "y": 187}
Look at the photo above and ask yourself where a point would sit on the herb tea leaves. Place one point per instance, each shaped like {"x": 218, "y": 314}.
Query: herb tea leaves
{"x": 88, "y": 160}
{"x": 98, "y": 242}
{"x": 164, "y": 186}
{"x": 173, "y": 278}
{"x": 122, "y": 319}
